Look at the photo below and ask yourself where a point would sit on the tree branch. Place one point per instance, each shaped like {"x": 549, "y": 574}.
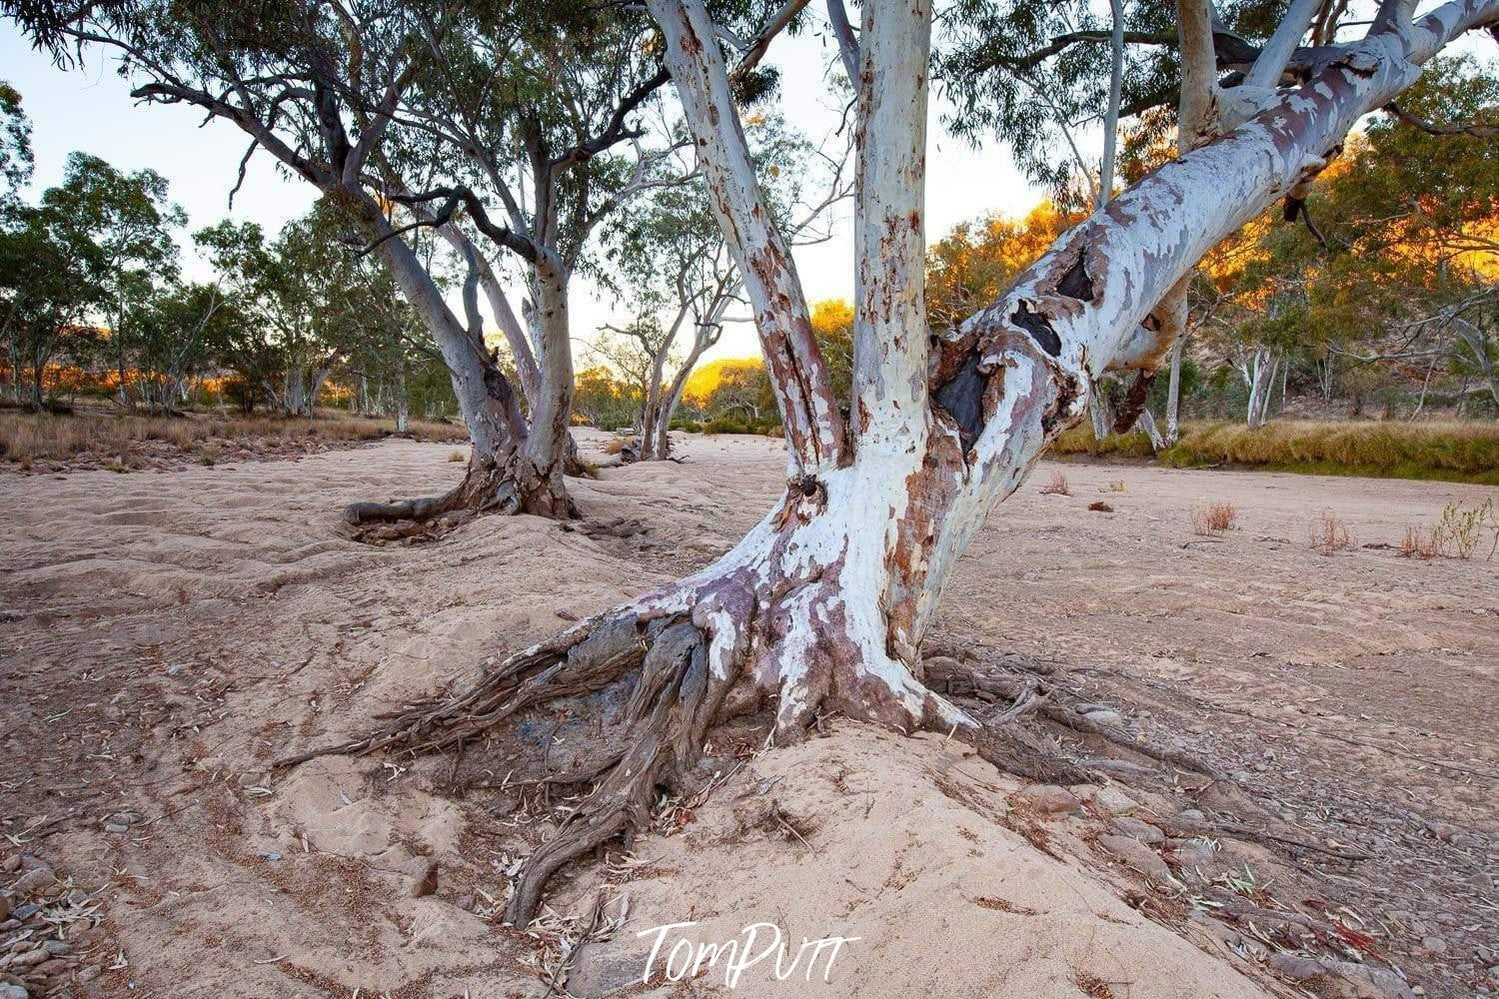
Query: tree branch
{"x": 1425, "y": 125}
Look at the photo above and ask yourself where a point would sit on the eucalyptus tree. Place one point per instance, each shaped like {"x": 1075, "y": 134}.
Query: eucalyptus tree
{"x": 177, "y": 337}
{"x": 673, "y": 259}
{"x": 132, "y": 223}
{"x": 50, "y": 284}
{"x": 352, "y": 97}
{"x": 543, "y": 104}
{"x": 16, "y": 159}
{"x": 824, "y": 605}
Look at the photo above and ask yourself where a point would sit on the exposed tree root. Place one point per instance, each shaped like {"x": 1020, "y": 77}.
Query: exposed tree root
{"x": 486, "y": 488}
{"x": 659, "y": 674}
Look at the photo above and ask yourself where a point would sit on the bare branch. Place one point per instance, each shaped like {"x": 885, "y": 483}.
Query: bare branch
{"x": 452, "y": 198}
{"x": 1411, "y": 118}
{"x": 848, "y": 45}
{"x": 760, "y": 44}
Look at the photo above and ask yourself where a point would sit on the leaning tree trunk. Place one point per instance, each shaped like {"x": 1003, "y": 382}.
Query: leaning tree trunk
{"x": 823, "y": 607}
{"x": 509, "y": 471}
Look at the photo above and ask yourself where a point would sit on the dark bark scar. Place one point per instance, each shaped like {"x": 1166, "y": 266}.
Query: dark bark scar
{"x": 1039, "y": 327}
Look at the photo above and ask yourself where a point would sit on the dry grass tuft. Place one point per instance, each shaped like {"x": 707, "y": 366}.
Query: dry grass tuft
{"x": 1117, "y": 486}
{"x": 1057, "y": 485}
{"x": 1093, "y": 986}
{"x": 1214, "y": 518}
{"x": 29, "y": 437}
{"x": 1418, "y": 543}
{"x": 617, "y": 443}
{"x": 1329, "y": 534}
{"x": 457, "y": 456}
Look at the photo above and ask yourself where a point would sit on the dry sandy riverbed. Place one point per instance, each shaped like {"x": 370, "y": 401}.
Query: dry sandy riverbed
{"x": 164, "y": 636}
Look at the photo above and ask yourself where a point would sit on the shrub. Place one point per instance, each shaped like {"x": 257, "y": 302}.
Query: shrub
{"x": 1100, "y": 506}
{"x": 1329, "y": 534}
{"x": 1057, "y": 485}
{"x": 1213, "y": 518}
{"x": 1419, "y": 544}
{"x": 1462, "y": 529}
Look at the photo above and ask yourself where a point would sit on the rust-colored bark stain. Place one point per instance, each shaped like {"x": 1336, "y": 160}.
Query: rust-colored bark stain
{"x": 1128, "y": 411}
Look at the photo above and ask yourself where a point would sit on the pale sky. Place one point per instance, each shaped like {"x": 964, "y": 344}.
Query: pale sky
{"x": 91, "y": 110}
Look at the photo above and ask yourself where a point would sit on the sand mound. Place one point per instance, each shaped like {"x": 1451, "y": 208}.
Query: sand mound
{"x": 901, "y": 844}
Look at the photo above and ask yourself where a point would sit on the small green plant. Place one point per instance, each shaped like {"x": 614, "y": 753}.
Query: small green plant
{"x": 1463, "y": 529}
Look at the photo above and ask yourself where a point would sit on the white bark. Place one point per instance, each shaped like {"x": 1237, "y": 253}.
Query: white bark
{"x": 504, "y": 315}
{"x": 890, "y": 324}
{"x": 1174, "y": 392}
{"x": 809, "y": 412}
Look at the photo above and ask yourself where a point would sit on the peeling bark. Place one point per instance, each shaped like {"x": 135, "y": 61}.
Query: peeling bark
{"x": 824, "y": 605}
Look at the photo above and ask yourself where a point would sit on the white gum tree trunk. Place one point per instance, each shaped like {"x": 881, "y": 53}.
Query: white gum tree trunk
{"x": 823, "y": 605}
{"x": 503, "y": 473}
{"x": 857, "y": 552}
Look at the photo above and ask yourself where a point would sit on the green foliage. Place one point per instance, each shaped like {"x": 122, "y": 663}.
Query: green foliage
{"x": 15, "y": 141}
{"x": 1028, "y": 71}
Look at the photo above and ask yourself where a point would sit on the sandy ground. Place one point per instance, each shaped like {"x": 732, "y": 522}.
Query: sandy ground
{"x": 164, "y": 636}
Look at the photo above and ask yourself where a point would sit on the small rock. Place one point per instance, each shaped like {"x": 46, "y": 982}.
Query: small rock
{"x": 56, "y": 947}
{"x": 465, "y": 902}
{"x": 1434, "y": 944}
{"x": 6, "y": 907}
{"x": 10, "y": 864}
{"x": 1105, "y": 717}
{"x": 1048, "y": 799}
{"x": 116, "y": 827}
{"x": 1134, "y": 854}
{"x": 427, "y": 883}
{"x": 29, "y": 958}
{"x": 175, "y": 669}
{"x": 1443, "y": 831}
{"x": 1128, "y": 825}
{"x": 270, "y": 855}
{"x": 54, "y": 967}
{"x": 1193, "y": 854}
{"x": 27, "y": 911}
{"x": 37, "y": 877}
{"x": 13, "y": 992}
{"x": 1111, "y": 801}
{"x": 89, "y": 973}
{"x": 942, "y": 665}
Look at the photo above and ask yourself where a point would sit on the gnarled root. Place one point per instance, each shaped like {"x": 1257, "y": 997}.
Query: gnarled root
{"x": 488, "y": 487}
{"x": 658, "y": 675}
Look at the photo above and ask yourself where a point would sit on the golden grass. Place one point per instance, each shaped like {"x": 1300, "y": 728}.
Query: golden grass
{"x": 28, "y": 437}
{"x": 1451, "y": 451}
